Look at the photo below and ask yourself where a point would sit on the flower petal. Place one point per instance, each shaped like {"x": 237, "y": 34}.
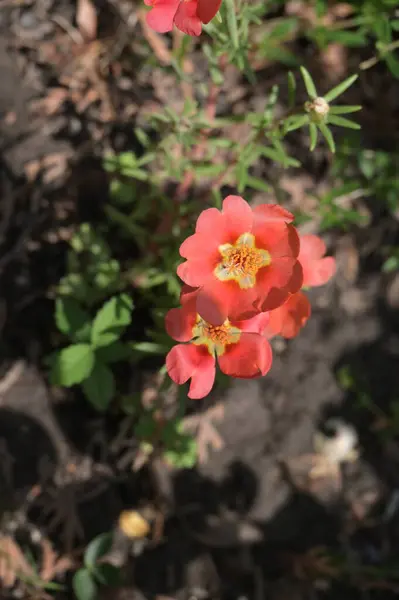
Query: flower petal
{"x": 250, "y": 357}
{"x": 198, "y": 245}
{"x": 296, "y": 281}
{"x": 319, "y": 272}
{"x": 269, "y": 213}
{"x": 160, "y": 18}
{"x": 195, "y": 272}
{"x": 277, "y": 275}
{"x": 279, "y": 239}
{"x": 288, "y": 319}
{"x": 316, "y": 270}
{"x": 181, "y": 362}
{"x": 185, "y": 361}
{"x": 186, "y": 18}
{"x": 203, "y": 378}
{"x": 179, "y": 322}
{"x": 256, "y": 324}
{"x": 218, "y": 300}
{"x": 209, "y": 221}
{"x": 186, "y": 293}
{"x": 312, "y": 247}
{"x": 238, "y": 217}
{"x": 207, "y": 9}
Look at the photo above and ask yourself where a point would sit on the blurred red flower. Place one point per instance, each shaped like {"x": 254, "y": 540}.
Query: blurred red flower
{"x": 317, "y": 269}
{"x": 187, "y": 15}
{"x": 239, "y": 346}
{"x": 290, "y": 317}
{"x": 243, "y": 260}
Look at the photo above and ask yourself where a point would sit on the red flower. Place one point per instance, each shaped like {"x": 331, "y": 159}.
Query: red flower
{"x": 243, "y": 261}
{"x": 162, "y": 15}
{"x": 316, "y": 269}
{"x": 187, "y": 15}
{"x": 241, "y": 349}
{"x": 288, "y": 319}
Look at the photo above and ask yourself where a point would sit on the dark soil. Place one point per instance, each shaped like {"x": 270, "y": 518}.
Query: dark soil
{"x": 247, "y": 523}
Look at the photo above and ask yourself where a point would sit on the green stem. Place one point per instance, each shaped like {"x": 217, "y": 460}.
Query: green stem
{"x": 367, "y": 64}
{"x": 232, "y": 22}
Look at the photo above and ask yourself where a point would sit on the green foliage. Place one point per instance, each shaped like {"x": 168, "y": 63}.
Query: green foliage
{"x": 180, "y": 448}
{"x": 92, "y": 273}
{"x": 95, "y": 571}
{"x": 319, "y": 114}
{"x": 97, "y": 346}
{"x": 111, "y": 320}
{"x": 72, "y": 365}
{"x": 177, "y": 447}
{"x": 369, "y": 19}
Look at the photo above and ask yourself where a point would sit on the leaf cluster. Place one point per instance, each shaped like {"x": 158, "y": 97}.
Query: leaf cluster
{"x": 95, "y": 346}
{"x": 96, "y": 571}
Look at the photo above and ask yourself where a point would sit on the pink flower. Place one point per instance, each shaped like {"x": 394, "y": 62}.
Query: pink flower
{"x": 239, "y": 347}
{"x": 162, "y": 15}
{"x": 317, "y": 269}
{"x": 288, "y": 319}
{"x": 187, "y": 15}
{"x": 243, "y": 261}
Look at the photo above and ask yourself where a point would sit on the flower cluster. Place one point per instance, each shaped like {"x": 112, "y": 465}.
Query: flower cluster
{"x": 243, "y": 276}
{"x": 187, "y": 15}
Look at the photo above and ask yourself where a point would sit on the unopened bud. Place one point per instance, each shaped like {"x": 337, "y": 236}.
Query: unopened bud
{"x": 318, "y": 109}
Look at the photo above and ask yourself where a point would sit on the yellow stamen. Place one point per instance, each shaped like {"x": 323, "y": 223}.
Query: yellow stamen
{"x": 241, "y": 261}
{"x": 215, "y": 337}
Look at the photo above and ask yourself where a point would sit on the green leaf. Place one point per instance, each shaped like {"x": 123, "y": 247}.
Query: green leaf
{"x": 99, "y": 387}
{"x": 142, "y": 136}
{"x": 107, "y": 574}
{"x": 391, "y": 264}
{"x": 258, "y": 184}
{"x": 72, "y": 365}
{"x": 342, "y": 122}
{"x": 121, "y": 192}
{"x": 278, "y": 155}
{"x": 232, "y": 22}
{"x": 328, "y": 136}
{"x": 313, "y": 136}
{"x": 72, "y": 319}
{"x": 111, "y": 320}
{"x": 97, "y": 548}
{"x": 340, "y": 88}
{"x": 115, "y": 352}
{"x": 148, "y": 348}
{"x": 296, "y": 122}
{"x": 209, "y": 170}
{"x": 392, "y": 63}
{"x": 291, "y": 89}
{"x": 342, "y": 110}
{"x": 84, "y": 586}
{"x": 309, "y": 84}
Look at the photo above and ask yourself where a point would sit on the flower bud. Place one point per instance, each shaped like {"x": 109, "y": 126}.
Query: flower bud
{"x": 318, "y": 109}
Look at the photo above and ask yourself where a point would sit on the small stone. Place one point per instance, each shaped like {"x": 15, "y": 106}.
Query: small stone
{"x": 28, "y": 20}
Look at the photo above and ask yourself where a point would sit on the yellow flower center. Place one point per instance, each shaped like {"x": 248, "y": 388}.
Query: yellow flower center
{"x": 241, "y": 261}
{"x": 215, "y": 337}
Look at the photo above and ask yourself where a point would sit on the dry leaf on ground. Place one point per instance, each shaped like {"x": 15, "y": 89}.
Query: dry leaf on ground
{"x": 12, "y": 563}
{"x": 86, "y": 19}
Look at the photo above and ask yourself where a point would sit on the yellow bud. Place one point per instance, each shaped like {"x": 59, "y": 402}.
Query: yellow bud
{"x": 133, "y": 525}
